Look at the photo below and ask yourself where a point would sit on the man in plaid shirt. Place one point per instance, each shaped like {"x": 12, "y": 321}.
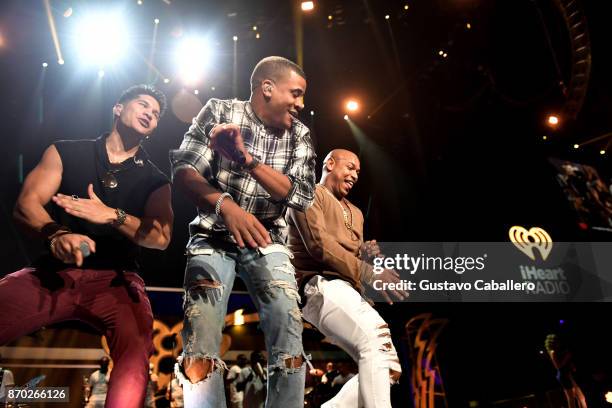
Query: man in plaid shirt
{"x": 242, "y": 163}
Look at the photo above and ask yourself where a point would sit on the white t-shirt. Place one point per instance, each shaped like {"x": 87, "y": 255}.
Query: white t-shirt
{"x": 99, "y": 387}
{"x": 234, "y": 375}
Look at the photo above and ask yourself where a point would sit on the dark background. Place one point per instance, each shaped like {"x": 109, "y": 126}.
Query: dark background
{"x": 453, "y": 149}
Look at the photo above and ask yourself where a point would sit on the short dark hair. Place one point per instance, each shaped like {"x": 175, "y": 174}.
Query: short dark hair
{"x": 273, "y": 68}
{"x": 135, "y": 91}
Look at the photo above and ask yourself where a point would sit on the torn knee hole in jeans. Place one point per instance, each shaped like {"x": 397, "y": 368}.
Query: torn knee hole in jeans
{"x": 193, "y": 370}
{"x": 294, "y": 362}
{"x": 287, "y": 287}
{"x": 286, "y": 267}
{"x": 208, "y": 286}
{"x": 296, "y": 314}
{"x": 192, "y": 311}
{"x": 288, "y": 364}
{"x": 205, "y": 284}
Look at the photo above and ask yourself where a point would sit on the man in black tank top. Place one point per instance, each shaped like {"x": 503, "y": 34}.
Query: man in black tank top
{"x": 108, "y": 200}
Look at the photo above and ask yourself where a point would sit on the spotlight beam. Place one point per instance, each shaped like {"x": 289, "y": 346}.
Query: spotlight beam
{"x": 394, "y": 47}
{"x": 609, "y": 134}
{"x": 152, "y": 53}
{"x": 387, "y": 99}
{"x": 299, "y": 34}
{"x": 151, "y": 66}
{"x": 56, "y": 42}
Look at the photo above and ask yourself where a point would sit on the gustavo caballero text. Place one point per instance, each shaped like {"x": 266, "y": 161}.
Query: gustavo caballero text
{"x": 480, "y": 284}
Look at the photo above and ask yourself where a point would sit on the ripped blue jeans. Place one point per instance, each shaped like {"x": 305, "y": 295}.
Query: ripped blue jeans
{"x": 269, "y": 277}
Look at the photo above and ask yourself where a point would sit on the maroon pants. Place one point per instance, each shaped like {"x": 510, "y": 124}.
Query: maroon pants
{"x": 114, "y": 303}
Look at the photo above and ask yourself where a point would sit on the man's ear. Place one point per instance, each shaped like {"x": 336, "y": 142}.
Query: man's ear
{"x": 329, "y": 165}
{"x": 266, "y": 87}
{"x": 117, "y": 109}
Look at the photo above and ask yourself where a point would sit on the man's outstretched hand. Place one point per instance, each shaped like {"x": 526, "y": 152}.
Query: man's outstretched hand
{"x": 227, "y": 140}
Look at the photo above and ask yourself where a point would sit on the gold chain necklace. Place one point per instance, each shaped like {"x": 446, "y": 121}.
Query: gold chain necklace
{"x": 347, "y": 224}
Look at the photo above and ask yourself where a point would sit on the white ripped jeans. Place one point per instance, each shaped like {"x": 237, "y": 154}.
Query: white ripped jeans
{"x": 341, "y": 314}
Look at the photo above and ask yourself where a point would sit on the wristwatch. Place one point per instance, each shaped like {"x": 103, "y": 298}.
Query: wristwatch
{"x": 254, "y": 163}
{"x": 121, "y": 217}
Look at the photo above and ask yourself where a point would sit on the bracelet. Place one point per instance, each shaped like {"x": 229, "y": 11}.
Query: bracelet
{"x": 121, "y": 217}
{"x": 250, "y": 167}
{"x": 56, "y": 236}
{"x": 220, "y": 201}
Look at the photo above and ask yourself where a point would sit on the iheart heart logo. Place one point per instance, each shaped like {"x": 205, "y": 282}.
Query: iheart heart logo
{"x": 527, "y": 241}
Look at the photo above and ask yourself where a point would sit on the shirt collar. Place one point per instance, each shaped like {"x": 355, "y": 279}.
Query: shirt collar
{"x": 250, "y": 112}
{"x": 248, "y": 108}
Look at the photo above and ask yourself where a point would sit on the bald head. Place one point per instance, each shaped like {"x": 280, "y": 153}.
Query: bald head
{"x": 340, "y": 171}
{"x": 337, "y": 155}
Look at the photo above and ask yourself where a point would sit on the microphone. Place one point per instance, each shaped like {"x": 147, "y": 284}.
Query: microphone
{"x": 84, "y": 247}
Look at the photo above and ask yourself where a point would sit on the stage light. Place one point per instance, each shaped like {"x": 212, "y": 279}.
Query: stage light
{"x": 311, "y": 113}
{"x": 387, "y": 17}
{"x": 444, "y": 55}
{"x": 307, "y": 5}
{"x": 238, "y": 317}
{"x": 166, "y": 80}
{"x": 552, "y": 120}
{"x": 352, "y": 105}
{"x": 257, "y": 36}
{"x": 544, "y": 137}
{"x": 609, "y": 397}
{"x": 193, "y": 56}
{"x": 101, "y": 38}
{"x": 156, "y": 21}
{"x": 212, "y": 88}
{"x": 60, "y": 61}
{"x": 235, "y": 38}
{"x": 45, "y": 65}
{"x": 139, "y": 2}
{"x": 68, "y": 12}
{"x": 346, "y": 117}
{"x": 468, "y": 26}
{"x": 330, "y": 17}
{"x": 561, "y": 321}
{"x": 101, "y": 73}
{"x": 440, "y": 53}
{"x": 602, "y": 152}
{"x": 195, "y": 91}
{"x": 254, "y": 28}
{"x": 576, "y": 146}
{"x": 406, "y": 7}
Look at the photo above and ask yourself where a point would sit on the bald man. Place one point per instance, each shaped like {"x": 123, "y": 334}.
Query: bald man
{"x": 331, "y": 262}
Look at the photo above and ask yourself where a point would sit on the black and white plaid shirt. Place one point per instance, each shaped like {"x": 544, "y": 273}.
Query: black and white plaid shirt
{"x": 287, "y": 151}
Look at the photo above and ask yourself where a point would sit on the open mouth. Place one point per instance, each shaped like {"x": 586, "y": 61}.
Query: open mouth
{"x": 144, "y": 122}
{"x": 293, "y": 114}
{"x": 349, "y": 183}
